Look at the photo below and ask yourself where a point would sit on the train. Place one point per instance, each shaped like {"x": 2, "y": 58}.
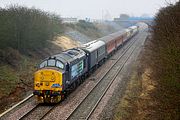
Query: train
{"x": 60, "y": 73}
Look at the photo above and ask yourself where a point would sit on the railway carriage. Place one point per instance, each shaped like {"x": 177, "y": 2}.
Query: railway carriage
{"x": 110, "y": 44}
{"x": 128, "y": 35}
{"x": 119, "y": 41}
{"x": 119, "y": 37}
{"x": 131, "y": 31}
{"x": 134, "y": 30}
{"x": 96, "y": 53}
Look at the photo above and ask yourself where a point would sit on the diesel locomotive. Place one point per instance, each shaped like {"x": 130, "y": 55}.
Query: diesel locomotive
{"x": 58, "y": 74}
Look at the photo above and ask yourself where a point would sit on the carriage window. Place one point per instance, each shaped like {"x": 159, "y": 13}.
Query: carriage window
{"x": 43, "y": 64}
{"x": 51, "y": 62}
{"x": 59, "y": 65}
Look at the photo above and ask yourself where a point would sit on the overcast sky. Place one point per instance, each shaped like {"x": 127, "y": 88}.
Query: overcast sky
{"x": 96, "y": 9}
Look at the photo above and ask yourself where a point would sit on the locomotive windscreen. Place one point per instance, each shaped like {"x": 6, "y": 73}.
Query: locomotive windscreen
{"x": 52, "y": 63}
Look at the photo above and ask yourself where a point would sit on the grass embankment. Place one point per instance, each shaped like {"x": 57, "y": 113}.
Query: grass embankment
{"x": 154, "y": 93}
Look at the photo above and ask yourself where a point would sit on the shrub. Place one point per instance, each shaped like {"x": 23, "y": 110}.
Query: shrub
{"x": 27, "y": 28}
{"x": 165, "y": 45}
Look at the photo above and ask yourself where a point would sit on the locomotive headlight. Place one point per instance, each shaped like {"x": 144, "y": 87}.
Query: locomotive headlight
{"x": 53, "y": 76}
{"x": 47, "y": 83}
{"x": 38, "y": 84}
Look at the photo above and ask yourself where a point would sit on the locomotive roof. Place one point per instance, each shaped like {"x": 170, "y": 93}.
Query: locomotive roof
{"x": 93, "y": 45}
{"x": 69, "y": 55}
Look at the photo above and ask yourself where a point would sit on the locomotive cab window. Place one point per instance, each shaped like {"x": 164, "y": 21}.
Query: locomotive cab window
{"x": 51, "y": 62}
{"x": 59, "y": 65}
{"x": 43, "y": 64}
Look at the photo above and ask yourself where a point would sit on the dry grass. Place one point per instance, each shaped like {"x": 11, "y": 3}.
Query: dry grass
{"x": 127, "y": 106}
{"x": 65, "y": 42}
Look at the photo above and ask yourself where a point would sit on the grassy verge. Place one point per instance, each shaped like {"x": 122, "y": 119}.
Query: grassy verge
{"x": 16, "y": 82}
{"x": 8, "y": 79}
{"x": 11, "y": 77}
{"x": 127, "y": 106}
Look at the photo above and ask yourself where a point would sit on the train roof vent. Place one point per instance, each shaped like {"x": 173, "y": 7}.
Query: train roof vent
{"x": 72, "y": 52}
{"x": 89, "y": 43}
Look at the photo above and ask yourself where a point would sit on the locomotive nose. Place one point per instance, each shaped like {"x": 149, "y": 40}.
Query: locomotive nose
{"x": 48, "y": 79}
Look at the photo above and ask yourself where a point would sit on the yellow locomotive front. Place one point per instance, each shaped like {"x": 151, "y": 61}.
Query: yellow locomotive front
{"x": 48, "y": 82}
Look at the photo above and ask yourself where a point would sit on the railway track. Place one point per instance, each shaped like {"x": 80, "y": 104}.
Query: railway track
{"x": 38, "y": 112}
{"x": 16, "y": 105}
{"x": 86, "y": 107}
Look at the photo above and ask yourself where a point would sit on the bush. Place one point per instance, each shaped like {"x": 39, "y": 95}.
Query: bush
{"x": 165, "y": 45}
{"x": 27, "y": 28}
{"x": 163, "y": 57}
